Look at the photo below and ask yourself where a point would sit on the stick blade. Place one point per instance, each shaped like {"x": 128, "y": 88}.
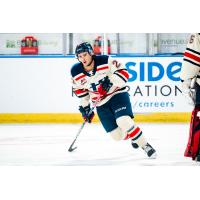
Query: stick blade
{"x": 71, "y": 149}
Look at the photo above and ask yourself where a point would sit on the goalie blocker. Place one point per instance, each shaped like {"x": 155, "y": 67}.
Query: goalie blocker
{"x": 193, "y": 145}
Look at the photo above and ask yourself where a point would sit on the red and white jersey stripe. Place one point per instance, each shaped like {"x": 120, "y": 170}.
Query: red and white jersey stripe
{"x": 81, "y": 92}
{"x": 102, "y": 68}
{"x": 79, "y": 76}
{"x": 123, "y": 74}
{"x": 191, "y": 59}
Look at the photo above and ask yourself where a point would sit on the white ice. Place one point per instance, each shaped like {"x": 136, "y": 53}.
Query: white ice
{"x": 47, "y": 144}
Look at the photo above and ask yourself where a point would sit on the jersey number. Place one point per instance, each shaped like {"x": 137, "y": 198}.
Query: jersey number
{"x": 191, "y": 40}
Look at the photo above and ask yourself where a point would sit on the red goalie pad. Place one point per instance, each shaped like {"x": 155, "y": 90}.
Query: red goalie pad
{"x": 194, "y": 135}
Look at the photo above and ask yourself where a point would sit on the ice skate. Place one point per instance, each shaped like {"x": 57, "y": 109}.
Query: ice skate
{"x": 150, "y": 151}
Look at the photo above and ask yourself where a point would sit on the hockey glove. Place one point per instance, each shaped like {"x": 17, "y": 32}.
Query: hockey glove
{"x": 105, "y": 86}
{"x": 87, "y": 114}
{"x": 188, "y": 92}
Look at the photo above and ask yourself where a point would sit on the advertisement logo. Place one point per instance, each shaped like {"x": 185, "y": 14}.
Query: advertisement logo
{"x": 153, "y": 71}
{"x": 154, "y": 84}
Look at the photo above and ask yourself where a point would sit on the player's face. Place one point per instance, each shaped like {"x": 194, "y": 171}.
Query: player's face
{"x": 85, "y": 58}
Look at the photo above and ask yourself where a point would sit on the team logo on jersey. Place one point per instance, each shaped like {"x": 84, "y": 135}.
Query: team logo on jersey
{"x": 83, "y": 81}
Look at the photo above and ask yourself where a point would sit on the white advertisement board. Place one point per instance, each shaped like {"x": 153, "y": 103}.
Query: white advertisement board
{"x": 48, "y": 43}
{"x": 155, "y": 84}
{"x": 43, "y": 85}
{"x": 172, "y": 42}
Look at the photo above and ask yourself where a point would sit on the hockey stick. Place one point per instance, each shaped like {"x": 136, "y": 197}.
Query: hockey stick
{"x": 71, "y": 148}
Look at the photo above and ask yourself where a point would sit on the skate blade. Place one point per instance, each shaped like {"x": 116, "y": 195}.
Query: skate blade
{"x": 153, "y": 156}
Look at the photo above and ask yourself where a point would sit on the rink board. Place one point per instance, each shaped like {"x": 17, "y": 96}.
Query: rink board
{"x": 37, "y": 89}
{"x": 76, "y": 118}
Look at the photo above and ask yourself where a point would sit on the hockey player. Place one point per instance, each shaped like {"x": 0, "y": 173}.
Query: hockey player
{"x": 103, "y": 81}
{"x": 190, "y": 78}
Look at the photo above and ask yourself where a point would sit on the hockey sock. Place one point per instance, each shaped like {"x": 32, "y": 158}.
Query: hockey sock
{"x": 131, "y": 131}
{"x": 136, "y": 136}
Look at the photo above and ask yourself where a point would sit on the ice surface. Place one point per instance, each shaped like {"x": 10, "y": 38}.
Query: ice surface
{"x": 47, "y": 144}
